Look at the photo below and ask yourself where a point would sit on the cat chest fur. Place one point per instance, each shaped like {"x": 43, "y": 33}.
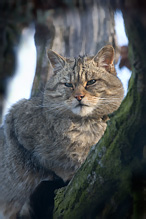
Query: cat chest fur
{"x": 76, "y": 140}
{"x": 84, "y": 134}
{"x": 61, "y": 144}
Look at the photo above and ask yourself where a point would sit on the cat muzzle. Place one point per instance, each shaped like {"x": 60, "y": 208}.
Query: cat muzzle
{"x": 79, "y": 97}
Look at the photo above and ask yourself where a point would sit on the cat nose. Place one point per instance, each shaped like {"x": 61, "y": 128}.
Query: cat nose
{"x": 79, "y": 97}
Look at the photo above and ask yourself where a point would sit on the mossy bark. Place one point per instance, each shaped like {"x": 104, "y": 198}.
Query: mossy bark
{"x": 110, "y": 184}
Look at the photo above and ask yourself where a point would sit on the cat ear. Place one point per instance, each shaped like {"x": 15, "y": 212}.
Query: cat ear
{"x": 57, "y": 61}
{"x": 105, "y": 58}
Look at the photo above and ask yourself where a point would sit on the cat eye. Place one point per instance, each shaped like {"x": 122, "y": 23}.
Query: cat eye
{"x": 68, "y": 85}
{"x": 90, "y": 82}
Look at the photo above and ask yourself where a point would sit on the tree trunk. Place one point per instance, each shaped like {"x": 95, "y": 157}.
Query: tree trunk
{"x": 111, "y": 182}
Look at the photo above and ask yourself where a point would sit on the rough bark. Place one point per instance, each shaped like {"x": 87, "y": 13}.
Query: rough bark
{"x": 111, "y": 182}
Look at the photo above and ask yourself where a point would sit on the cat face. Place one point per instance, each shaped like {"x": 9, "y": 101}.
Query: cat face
{"x": 84, "y": 86}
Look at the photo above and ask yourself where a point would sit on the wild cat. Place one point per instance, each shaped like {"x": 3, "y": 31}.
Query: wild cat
{"x": 49, "y": 136}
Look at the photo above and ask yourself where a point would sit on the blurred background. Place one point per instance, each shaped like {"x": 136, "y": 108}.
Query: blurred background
{"x": 70, "y": 28}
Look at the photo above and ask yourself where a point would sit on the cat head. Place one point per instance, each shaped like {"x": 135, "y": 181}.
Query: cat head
{"x": 84, "y": 86}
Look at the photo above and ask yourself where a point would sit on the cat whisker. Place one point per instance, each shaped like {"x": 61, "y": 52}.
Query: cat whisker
{"x": 105, "y": 101}
{"x": 41, "y": 106}
{"x": 110, "y": 102}
{"x": 56, "y": 110}
{"x": 101, "y": 98}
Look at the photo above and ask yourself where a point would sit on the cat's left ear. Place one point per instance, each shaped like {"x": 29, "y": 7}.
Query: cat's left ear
{"x": 57, "y": 61}
{"x": 105, "y": 58}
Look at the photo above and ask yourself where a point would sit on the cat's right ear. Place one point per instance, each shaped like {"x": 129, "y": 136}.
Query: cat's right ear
{"x": 57, "y": 61}
{"x": 105, "y": 57}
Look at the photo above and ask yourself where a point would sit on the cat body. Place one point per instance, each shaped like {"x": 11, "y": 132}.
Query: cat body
{"x": 51, "y": 135}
